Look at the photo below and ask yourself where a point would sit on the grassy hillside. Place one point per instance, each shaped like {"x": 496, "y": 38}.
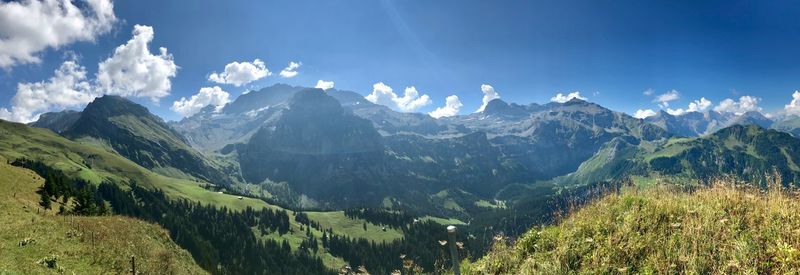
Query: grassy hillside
{"x": 144, "y": 138}
{"x": 91, "y": 162}
{"x": 95, "y": 164}
{"x": 83, "y": 245}
{"x": 719, "y": 229}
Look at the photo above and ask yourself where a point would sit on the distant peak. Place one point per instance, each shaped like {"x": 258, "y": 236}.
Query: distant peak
{"x": 495, "y": 105}
{"x": 576, "y": 101}
{"x": 112, "y": 105}
{"x": 501, "y": 108}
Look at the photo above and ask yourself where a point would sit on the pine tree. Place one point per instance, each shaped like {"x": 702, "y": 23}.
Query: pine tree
{"x": 44, "y": 198}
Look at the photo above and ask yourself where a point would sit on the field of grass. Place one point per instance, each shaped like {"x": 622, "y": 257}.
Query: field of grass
{"x": 83, "y": 245}
{"x": 341, "y": 224}
{"x": 721, "y": 229}
{"x": 488, "y": 204}
{"x": 443, "y": 221}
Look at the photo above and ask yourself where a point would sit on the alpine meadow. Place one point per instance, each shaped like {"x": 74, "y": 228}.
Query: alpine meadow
{"x": 399, "y": 137}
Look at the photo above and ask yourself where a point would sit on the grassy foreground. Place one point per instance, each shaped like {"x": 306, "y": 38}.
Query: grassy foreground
{"x": 718, "y": 229}
{"x": 34, "y": 241}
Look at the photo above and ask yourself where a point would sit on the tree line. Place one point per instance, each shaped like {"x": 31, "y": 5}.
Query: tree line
{"x": 60, "y": 189}
{"x": 393, "y": 219}
{"x": 220, "y": 240}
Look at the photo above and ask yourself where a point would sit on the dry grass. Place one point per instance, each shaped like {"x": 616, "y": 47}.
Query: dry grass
{"x": 725, "y": 228}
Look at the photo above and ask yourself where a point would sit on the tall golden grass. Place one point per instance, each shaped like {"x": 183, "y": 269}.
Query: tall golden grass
{"x": 727, "y": 227}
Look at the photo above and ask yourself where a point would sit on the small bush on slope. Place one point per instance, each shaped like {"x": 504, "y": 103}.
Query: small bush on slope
{"x": 725, "y": 228}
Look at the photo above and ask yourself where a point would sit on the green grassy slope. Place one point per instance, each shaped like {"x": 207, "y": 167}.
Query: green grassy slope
{"x": 93, "y": 163}
{"x": 132, "y": 131}
{"x": 718, "y": 229}
{"x": 83, "y": 245}
{"x": 89, "y": 161}
{"x": 341, "y": 224}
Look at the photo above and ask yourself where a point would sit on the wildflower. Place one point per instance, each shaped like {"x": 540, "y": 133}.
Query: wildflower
{"x": 723, "y": 220}
{"x": 589, "y": 240}
{"x": 460, "y": 245}
{"x": 442, "y": 242}
{"x": 408, "y": 263}
{"x": 675, "y": 225}
{"x": 498, "y": 238}
{"x": 396, "y": 272}
{"x": 402, "y": 256}
{"x": 622, "y": 269}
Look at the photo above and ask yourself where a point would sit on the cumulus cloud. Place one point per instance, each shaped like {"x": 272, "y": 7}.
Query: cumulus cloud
{"x": 744, "y": 105}
{"x": 291, "y": 70}
{"x": 642, "y": 114}
{"x": 240, "y": 73}
{"x": 648, "y": 92}
{"x": 489, "y": 94}
{"x": 699, "y": 105}
{"x": 134, "y": 71}
{"x": 213, "y": 96}
{"x": 29, "y": 27}
{"x": 664, "y": 99}
{"x": 68, "y": 87}
{"x": 793, "y": 108}
{"x": 695, "y": 106}
{"x": 451, "y": 107}
{"x": 322, "y": 84}
{"x": 676, "y": 112}
{"x": 561, "y": 98}
{"x": 410, "y": 101}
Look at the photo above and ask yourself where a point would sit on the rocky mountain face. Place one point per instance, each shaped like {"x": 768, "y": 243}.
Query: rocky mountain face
{"x": 554, "y": 139}
{"x": 694, "y": 124}
{"x": 790, "y": 125}
{"x": 336, "y": 146}
{"x": 57, "y": 121}
{"x": 316, "y": 146}
{"x": 133, "y": 132}
{"x": 211, "y": 131}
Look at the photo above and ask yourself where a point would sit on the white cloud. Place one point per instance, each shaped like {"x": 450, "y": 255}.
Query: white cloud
{"x": 291, "y": 70}
{"x": 561, "y": 98}
{"x": 665, "y": 98}
{"x": 451, "y": 107}
{"x": 745, "y": 104}
{"x": 695, "y": 106}
{"x": 134, "y": 71}
{"x": 213, "y": 96}
{"x": 67, "y": 88}
{"x": 676, "y": 112}
{"x": 489, "y": 94}
{"x": 240, "y": 73}
{"x": 410, "y": 101}
{"x": 29, "y": 27}
{"x": 699, "y": 105}
{"x": 641, "y": 114}
{"x": 322, "y": 84}
{"x": 648, "y": 92}
{"x": 793, "y": 108}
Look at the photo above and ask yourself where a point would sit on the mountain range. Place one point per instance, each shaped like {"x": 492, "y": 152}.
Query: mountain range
{"x": 328, "y": 155}
{"x": 334, "y": 149}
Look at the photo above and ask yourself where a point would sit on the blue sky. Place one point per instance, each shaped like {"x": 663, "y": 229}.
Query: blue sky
{"x": 609, "y": 51}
